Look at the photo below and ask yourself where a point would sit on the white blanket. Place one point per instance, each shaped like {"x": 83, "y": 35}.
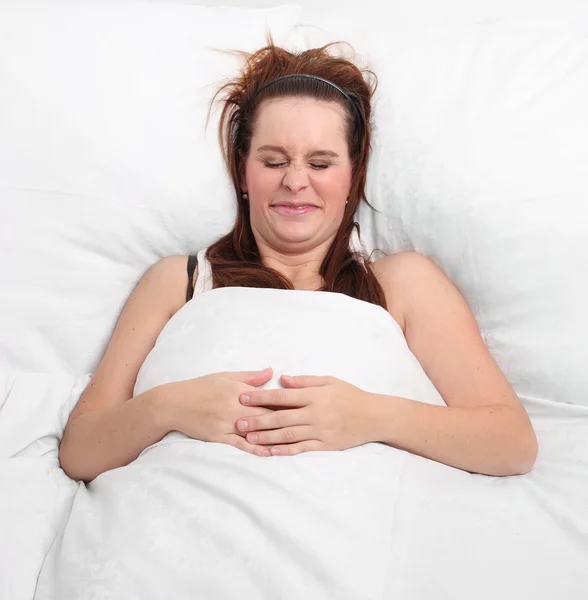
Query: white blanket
{"x": 193, "y": 519}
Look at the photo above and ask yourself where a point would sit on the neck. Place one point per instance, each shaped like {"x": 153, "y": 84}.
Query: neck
{"x": 301, "y": 268}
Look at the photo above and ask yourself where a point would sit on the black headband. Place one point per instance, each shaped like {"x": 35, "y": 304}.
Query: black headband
{"x": 347, "y": 96}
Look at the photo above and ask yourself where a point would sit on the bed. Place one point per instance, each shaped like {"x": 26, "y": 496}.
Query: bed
{"x": 106, "y": 165}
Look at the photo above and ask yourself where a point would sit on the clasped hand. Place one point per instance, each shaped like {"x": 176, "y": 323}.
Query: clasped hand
{"x": 316, "y": 413}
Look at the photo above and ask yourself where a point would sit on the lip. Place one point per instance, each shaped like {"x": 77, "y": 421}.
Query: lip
{"x": 293, "y": 209}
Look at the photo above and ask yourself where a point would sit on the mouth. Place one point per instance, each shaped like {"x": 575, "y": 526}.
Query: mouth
{"x": 294, "y": 209}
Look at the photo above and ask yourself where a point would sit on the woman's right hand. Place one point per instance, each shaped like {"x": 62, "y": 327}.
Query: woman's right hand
{"x": 207, "y": 408}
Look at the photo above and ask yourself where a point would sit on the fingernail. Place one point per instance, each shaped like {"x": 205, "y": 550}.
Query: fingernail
{"x": 252, "y": 437}
{"x": 242, "y": 425}
{"x": 245, "y": 399}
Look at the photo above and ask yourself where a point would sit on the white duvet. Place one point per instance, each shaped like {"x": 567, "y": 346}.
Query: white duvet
{"x": 190, "y": 519}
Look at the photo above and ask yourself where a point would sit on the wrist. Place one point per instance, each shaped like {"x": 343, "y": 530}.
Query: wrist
{"x": 159, "y": 406}
{"x": 380, "y": 408}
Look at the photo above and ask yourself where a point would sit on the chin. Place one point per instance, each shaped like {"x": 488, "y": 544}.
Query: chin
{"x": 294, "y": 234}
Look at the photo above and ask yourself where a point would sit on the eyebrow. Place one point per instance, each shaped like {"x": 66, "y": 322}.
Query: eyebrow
{"x": 313, "y": 153}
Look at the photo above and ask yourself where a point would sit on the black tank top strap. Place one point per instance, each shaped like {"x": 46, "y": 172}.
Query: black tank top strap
{"x": 192, "y": 262}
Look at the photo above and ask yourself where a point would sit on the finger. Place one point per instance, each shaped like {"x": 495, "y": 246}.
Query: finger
{"x": 253, "y": 378}
{"x": 280, "y": 397}
{"x": 284, "y": 435}
{"x": 257, "y": 413}
{"x": 292, "y": 449}
{"x": 300, "y": 381}
{"x": 242, "y": 444}
{"x": 274, "y": 420}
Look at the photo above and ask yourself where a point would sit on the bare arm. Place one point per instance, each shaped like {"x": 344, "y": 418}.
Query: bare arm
{"x": 491, "y": 439}
{"x": 484, "y": 428}
{"x": 111, "y": 437}
{"x": 108, "y": 428}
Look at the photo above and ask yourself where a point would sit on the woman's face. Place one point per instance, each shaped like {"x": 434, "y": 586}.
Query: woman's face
{"x": 298, "y": 173}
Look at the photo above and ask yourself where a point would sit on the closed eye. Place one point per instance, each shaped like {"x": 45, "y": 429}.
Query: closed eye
{"x": 278, "y": 165}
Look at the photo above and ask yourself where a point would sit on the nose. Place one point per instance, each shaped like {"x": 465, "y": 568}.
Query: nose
{"x": 295, "y": 179}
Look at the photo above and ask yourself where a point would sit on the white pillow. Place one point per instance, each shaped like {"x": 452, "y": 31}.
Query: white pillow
{"x": 480, "y": 154}
{"x": 480, "y": 164}
{"x": 105, "y": 164}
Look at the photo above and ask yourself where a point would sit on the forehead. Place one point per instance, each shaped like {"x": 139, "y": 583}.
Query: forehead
{"x": 300, "y": 122}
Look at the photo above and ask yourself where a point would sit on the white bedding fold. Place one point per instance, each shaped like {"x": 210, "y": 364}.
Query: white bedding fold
{"x": 35, "y": 494}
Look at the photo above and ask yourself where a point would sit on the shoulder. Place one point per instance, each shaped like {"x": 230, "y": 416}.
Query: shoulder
{"x": 407, "y": 267}
{"x": 172, "y": 274}
{"x": 408, "y": 278}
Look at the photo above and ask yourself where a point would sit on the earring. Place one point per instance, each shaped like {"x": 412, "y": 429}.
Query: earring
{"x": 245, "y": 196}
{"x": 346, "y": 201}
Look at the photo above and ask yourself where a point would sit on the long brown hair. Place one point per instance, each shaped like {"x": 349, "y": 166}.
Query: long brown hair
{"x": 235, "y": 258}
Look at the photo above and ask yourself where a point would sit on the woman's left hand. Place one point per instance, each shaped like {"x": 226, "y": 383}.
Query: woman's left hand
{"x": 319, "y": 413}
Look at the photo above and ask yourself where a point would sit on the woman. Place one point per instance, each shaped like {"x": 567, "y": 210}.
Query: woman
{"x": 295, "y": 131}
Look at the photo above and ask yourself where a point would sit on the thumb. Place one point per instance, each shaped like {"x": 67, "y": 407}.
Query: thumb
{"x": 253, "y": 378}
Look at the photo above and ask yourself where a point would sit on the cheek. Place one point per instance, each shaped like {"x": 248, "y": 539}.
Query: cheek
{"x": 335, "y": 185}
